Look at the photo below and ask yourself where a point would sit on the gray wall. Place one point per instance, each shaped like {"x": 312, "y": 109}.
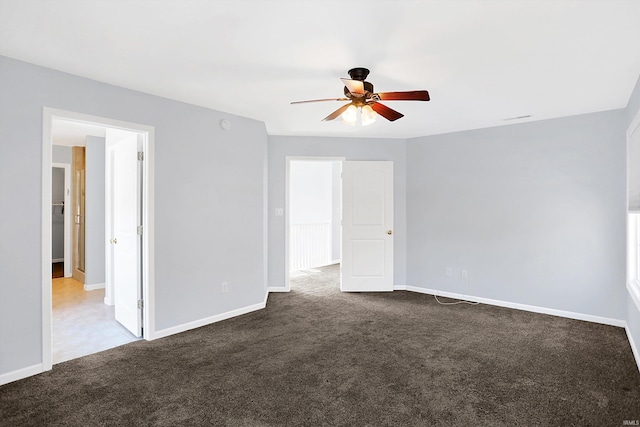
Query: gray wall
{"x": 209, "y": 202}
{"x": 94, "y": 273}
{"x": 57, "y": 216}
{"x": 61, "y": 154}
{"x": 633, "y": 312}
{"x": 352, "y": 149}
{"x": 534, "y": 211}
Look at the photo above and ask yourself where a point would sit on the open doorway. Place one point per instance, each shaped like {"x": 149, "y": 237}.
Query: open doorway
{"x": 366, "y": 221}
{"x": 313, "y": 217}
{"x": 79, "y": 315}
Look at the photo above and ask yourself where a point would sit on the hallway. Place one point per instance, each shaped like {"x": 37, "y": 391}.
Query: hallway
{"x": 82, "y": 323}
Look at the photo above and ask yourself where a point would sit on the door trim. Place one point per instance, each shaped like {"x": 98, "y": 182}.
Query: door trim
{"x": 148, "y": 282}
{"x": 67, "y": 216}
{"x": 287, "y": 200}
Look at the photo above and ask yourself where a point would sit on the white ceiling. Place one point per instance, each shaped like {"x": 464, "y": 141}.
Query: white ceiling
{"x": 482, "y": 61}
{"x": 70, "y": 133}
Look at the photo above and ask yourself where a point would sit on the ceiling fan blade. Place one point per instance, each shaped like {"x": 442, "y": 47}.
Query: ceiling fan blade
{"x": 320, "y": 100}
{"x": 336, "y": 113}
{"x": 414, "y": 95}
{"x": 354, "y": 86}
{"x": 386, "y": 112}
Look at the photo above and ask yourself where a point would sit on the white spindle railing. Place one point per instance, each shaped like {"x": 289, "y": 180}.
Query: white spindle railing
{"x": 309, "y": 245}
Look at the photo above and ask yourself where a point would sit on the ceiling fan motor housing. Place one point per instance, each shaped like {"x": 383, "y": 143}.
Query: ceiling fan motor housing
{"x": 358, "y": 73}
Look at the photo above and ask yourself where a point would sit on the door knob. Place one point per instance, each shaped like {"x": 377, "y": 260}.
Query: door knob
{"x": 113, "y": 241}
{"x": 389, "y": 232}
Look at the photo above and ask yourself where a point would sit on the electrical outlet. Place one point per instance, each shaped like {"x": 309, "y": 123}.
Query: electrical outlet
{"x": 225, "y": 287}
{"x": 464, "y": 274}
{"x": 448, "y": 272}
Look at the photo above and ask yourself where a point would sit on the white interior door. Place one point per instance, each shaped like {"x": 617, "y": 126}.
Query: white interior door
{"x": 125, "y": 243}
{"x": 367, "y": 226}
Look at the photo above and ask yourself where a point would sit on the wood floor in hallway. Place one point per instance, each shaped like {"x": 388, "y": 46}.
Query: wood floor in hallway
{"x": 82, "y": 323}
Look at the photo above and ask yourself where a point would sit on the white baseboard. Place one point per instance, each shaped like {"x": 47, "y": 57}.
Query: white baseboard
{"x": 399, "y": 287}
{"x": 277, "y": 289}
{"x": 94, "y": 287}
{"x": 206, "y": 321}
{"x": 525, "y": 307}
{"x": 332, "y": 262}
{"x": 29, "y": 371}
{"x": 57, "y": 260}
{"x": 634, "y": 348}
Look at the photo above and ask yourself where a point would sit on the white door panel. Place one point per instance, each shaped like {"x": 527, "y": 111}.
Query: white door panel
{"x": 365, "y": 256}
{"x": 367, "y": 226}
{"x": 367, "y": 190}
{"x": 125, "y": 217}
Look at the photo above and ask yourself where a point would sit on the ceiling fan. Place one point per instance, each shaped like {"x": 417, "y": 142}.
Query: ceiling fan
{"x": 362, "y": 98}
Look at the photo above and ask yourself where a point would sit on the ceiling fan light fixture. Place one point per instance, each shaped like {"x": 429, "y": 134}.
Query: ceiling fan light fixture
{"x": 365, "y": 103}
{"x": 368, "y": 115}
{"x": 350, "y": 115}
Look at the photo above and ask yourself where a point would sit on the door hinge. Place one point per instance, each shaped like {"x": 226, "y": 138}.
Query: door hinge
{"x": 140, "y": 155}
{"x": 140, "y": 303}
{"x": 139, "y": 230}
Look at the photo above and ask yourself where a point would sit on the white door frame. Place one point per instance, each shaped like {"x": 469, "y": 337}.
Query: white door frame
{"x": 287, "y": 203}
{"x": 67, "y": 215}
{"x": 633, "y": 228}
{"x": 49, "y": 114}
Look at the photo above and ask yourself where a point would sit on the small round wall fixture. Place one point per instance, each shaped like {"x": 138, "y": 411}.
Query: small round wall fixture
{"x": 225, "y": 124}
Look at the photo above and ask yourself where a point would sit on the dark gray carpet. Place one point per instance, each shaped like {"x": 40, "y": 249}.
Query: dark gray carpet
{"x": 319, "y": 357}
